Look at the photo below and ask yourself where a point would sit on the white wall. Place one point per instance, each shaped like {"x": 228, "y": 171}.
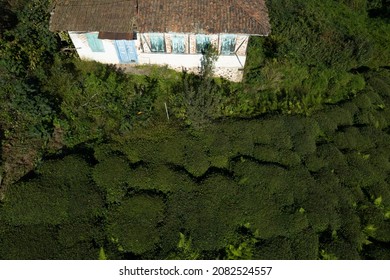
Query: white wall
{"x": 189, "y": 60}
{"x": 80, "y": 42}
{"x": 228, "y": 66}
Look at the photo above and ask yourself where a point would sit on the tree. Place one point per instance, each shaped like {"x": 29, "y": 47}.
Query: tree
{"x": 209, "y": 57}
{"x": 197, "y": 99}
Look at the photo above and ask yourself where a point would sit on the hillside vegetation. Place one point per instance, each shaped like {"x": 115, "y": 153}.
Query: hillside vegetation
{"x": 292, "y": 163}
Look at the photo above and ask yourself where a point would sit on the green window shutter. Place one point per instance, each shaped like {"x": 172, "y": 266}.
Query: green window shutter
{"x": 228, "y": 44}
{"x": 157, "y": 43}
{"x": 178, "y": 45}
{"x": 94, "y": 43}
{"x": 202, "y": 41}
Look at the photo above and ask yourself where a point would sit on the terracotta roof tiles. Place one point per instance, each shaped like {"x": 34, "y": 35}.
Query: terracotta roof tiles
{"x": 194, "y": 16}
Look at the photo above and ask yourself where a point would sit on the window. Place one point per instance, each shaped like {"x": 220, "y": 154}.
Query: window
{"x": 178, "y": 45}
{"x": 157, "y": 43}
{"x": 94, "y": 43}
{"x": 126, "y": 51}
{"x": 228, "y": 44}
{"x": 202, "y": 41}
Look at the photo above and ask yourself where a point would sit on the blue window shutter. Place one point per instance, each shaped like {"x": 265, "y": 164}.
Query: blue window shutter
{"x": 157, "y": 42}
{"x": 126, "y": 51}
{"x": 94, "y": 43}
{"x": 201, "y": 42}
{"x": 178, "y": 45}
{"x": 228, "y": 44}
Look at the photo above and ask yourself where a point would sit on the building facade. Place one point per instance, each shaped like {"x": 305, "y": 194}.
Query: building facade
{"x": 162, "y": 32}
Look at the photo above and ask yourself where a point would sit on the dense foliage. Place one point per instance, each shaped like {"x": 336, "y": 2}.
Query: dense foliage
{"x": 293, "y": 163}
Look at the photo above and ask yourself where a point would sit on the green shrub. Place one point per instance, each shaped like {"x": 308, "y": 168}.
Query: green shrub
{"x": 283, "y": 157}
{"x": 350, "y": 230}
{"x": 110, "y": 175}
{"x": 208, "y": 214}
{"x": 304, "y": 133}
{"x": 148, "y": 147}
{"x": 78, "y": 240}
{"x": 196, "y": 160}
{"x": 305, "y": 245}
{"x": 314, "y": 163}
{"x": 75, "y": 232}
{"x": 252, "y": 174}
{"x": 359, "y": 172}
{"x": 272, "y": 132}
{"x": 331, "y": 155}
{"x": 98, "y": 101}
{"x": 352, "y": 139}
{"x": 29, "y": 242}
{"x": 272, "y": 194}
{"x": 134, "y": 224}
{"x": 332, "y": 118}
{"x": 222, "y": 213}
{"x": 159, "y": 177}
{"x": 102, "y": 151}
{"x": 372, "y": 109}
{"x": 31, "y": 203}
{"x": 274, "y": 249}
{"x": 380, "y": 82}
{"x": 230, "y": 138}
{"x": 375, "y": 225}
{"x": 351, "y": 108}
{"x": 171, "y": 150}
{"x": 362, "y": 101}
{"x": 308, "y": 33}
{"x": 72, "y": 176}
{"x": 379, "y": 159}
{"x": 322, "y": 202}
{"x": 342, "y": 250}
{"x": 63, "y": 190}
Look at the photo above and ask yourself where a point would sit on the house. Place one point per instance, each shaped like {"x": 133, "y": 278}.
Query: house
{"x": 163, "y": 32}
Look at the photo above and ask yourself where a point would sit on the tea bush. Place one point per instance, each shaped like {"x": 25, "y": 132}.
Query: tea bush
{"x": 133, "y": 225}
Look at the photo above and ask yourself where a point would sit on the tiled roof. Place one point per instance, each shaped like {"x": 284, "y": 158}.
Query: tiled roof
{"x": 94, "y": 15}
{"x": 195, "y": 16}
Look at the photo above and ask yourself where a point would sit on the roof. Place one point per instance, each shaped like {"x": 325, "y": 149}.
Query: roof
{"x": 94, "y": 15}
{"x": 192, "y": 16}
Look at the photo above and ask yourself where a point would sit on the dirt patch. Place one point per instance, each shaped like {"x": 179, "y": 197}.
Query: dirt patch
{"x": 136, "y": 70}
